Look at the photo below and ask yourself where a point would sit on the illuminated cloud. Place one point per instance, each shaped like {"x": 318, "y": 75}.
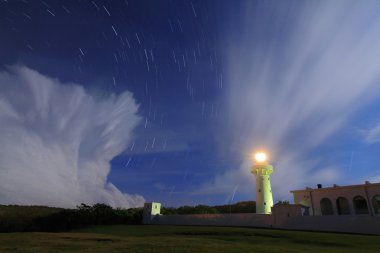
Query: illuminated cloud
{"x": 57, "y": 141}
{"x": 295, "y": 77}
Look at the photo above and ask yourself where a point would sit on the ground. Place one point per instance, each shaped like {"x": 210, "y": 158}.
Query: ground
{"x": 182, "y": 239}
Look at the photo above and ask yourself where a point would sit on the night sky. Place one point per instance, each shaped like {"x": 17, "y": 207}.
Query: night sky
{"x": 130, "y": 101}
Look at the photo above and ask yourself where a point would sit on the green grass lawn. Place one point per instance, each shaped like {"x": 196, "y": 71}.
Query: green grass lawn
{"x": 182, "y": 239}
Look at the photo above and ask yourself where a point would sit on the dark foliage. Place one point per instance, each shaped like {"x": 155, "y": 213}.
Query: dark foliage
{"x": 41, "y": 218}
{"x": 240, "y": 207}
{"x": 37, "y": 218}
{"x": 282, "y": 202}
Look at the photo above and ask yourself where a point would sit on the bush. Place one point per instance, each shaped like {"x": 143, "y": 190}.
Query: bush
{"x": 240, "y": 207}
{"x": 31, "y": 218}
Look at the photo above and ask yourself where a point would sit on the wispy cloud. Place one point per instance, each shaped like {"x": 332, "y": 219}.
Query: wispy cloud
{"x": 296, "y": 75}
{"x": 57, "y": 141}
{"x": 372, "y": 135}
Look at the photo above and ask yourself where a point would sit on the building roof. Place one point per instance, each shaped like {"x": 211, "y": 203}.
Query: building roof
{"x": 337, "y": 187}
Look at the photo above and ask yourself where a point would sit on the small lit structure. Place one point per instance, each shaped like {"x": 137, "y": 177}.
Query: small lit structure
{"x": 151, "y": 210}
{"x": 262, "y": 170}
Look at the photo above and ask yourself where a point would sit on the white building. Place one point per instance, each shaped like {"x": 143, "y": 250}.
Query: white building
{"x": 360, "y": 200}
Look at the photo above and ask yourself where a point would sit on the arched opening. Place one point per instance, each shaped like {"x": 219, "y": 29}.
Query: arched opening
{"x": 326, "y": 207}
{"x": 342, "y": 206}
{"x": 376, "y": 204}
{"x": 305, "y": 208}
{"x": 360, "y": 205}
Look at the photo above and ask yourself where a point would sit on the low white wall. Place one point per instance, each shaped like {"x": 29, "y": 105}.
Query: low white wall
{"x": 239, "y": 219}
{"x": 333, "y": 223}
{"x": 348, "y": 224}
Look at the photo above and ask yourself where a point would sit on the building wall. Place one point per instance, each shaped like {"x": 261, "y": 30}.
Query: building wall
{"x": 313, "y": 197}
{"x": 333, "y": 195}
{"x": 374, "y": 190}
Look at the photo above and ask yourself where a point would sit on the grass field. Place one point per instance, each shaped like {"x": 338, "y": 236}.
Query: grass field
{"x": 157, "y": 239}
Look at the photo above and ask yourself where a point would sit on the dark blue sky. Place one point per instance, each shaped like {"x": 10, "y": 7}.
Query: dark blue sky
{"x": 215, "y": 80}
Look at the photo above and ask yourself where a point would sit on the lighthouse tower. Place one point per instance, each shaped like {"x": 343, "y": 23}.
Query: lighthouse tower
{"x": 262, "y": 170}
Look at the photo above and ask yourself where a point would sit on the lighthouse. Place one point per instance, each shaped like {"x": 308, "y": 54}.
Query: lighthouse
{"x": 262, "y": 170}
